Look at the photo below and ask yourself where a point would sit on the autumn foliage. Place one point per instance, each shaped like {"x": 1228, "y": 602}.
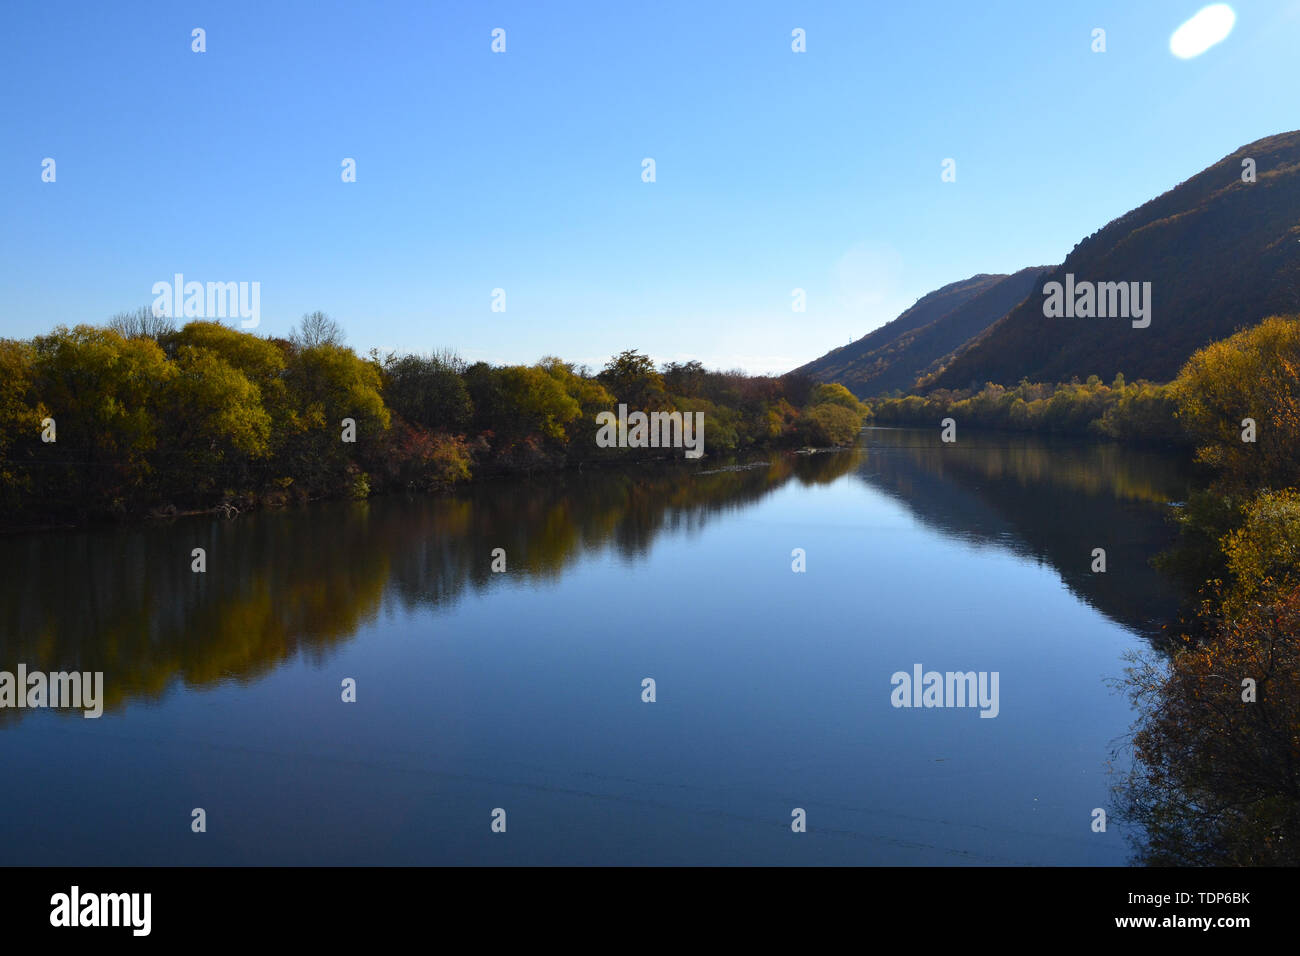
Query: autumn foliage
{"x": 144, "y": 417}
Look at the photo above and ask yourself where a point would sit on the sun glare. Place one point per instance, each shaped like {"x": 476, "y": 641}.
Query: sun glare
{"x": 1210, "y": 26}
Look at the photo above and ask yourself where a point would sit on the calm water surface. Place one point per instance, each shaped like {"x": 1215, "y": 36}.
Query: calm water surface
{"x": 522, "y": 690}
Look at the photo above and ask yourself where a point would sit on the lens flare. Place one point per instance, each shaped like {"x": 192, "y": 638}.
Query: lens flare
{"x": 1210, "y": 26}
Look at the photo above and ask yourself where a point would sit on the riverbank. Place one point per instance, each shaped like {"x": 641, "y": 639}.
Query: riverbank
{"x": 96, "y": 424}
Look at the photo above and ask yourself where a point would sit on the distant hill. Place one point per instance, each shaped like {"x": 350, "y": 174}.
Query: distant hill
{"x": 1220, "y": 254}
{"x": 896, "y": 354}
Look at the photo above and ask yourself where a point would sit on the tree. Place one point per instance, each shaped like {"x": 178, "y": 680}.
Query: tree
{"x": 837, "y": 394}
{"x": 327, "y": 384}
{"x": 142, "y": 324}
{"x": 1263, "y": 554}
{"x": 262, "y": 361}
{"x": 798, "y": 388}
{"x": 539, "y": 401}
{"x": 685, "y": 378}
{"x": 1216, "y": 781}
{"x": 831, "y": 424}
{"x": 427, "y": 391}
{"x": 632, "y": 378}
{"x": 591, "y": 397}
{"x": 316, "y": 328}
{"x": 212, "y": 423}
{"x": 101, "y": 390}
{"x": 20, "y": 421}
{"x": 483, "y": 382}
{"x": 1254, "y": 374}
{"x": 587, "y": 390}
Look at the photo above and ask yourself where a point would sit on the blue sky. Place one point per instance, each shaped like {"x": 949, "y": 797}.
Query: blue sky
{"x": 522, "y": 170}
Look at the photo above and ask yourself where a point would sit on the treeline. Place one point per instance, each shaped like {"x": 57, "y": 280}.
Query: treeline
{"x": 1237, "y": 401}
{"x": 140, "y": 416}
{"x": 1140, "y": 411}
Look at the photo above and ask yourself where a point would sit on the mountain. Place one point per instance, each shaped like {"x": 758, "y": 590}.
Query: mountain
{"x": 1220, "y": 254}
{"x": 896, "y": 354}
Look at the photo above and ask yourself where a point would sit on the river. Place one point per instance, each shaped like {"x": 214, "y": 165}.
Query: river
{"x": 523, "y": 690}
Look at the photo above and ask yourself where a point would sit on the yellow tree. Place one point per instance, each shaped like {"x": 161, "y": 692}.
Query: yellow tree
{"x": 1253, "y": 375}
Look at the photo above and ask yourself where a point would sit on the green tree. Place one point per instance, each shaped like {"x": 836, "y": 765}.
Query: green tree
{"x": 101, "y": 390}
{"x": 831, "y": 424}
{"x": 632, "y": 378}
{"x": 427, "y": 391}
{"x": 211, "y": 426}
{"x": 592, "y": 398}
{"x": 539, "y": 400}
{"x": 327, "y": 384}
